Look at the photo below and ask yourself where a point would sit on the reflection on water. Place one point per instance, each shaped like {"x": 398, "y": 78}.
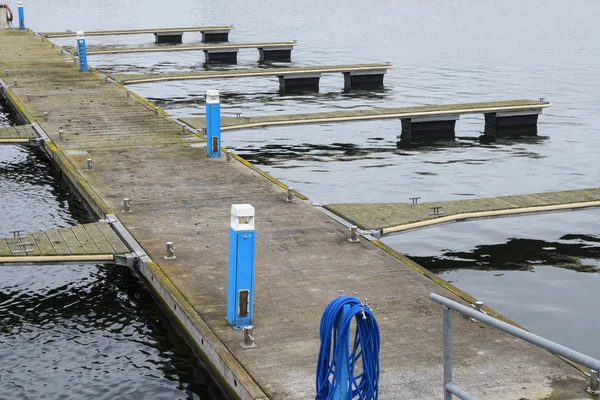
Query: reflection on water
{"x": 83, "y": 331}
{"x": 540, "y": 271}
{"x": 577, "y": 252}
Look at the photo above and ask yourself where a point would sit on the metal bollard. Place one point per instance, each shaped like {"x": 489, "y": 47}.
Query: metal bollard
{"x": 61, "y": 135}
{"x": 7, "y": 72}
{"x": 128, "y": 93}
{"x": 479, "y": 305}
{"x": 126, "y": 207}
{"x": 105, "y": 79}
{"x": 28, "y": 97}
{"x": 353, "y": 234}
{"x": 156, "y": 111}
{"x": 290, "y": 195}
{"x": 228, "y": 155}
{"x": 248, "y": 339}
{"x": 170, "y": 252}
{"x": 183, "y": 129}
{"x": 15, "y": 83}
{"x": 45, "y": 116}
{"x": 90, "y": 166}
{"x": 594, "y": 388}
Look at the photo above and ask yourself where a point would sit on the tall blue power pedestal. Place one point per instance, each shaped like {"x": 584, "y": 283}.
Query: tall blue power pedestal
{"x": 213, "y": 124}
{"x": 82, "y": 52}
{"x": 21, "y": 16}
{"x": 240, "y": 276}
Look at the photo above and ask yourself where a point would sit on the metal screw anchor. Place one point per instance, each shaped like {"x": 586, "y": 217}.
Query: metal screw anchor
{"x": 414, "y": 200}
{"x": 126, "y": 207}
{"x": 248, "y": 338}
{"x": 594, "y": 388}
{"x": 353, "y": 234}
{"x": 436, "y": 210}
{"x": 170, "y": 252}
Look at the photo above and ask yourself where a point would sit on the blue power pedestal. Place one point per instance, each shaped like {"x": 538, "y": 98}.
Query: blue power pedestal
{"x": 21, "y": 16}
{"x": 213, "y": 124}
{"x": 82, "y": 52}
{"x": 240, "y": 277}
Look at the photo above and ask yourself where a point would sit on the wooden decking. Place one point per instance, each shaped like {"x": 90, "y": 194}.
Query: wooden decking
{"x": 242, "y": 122}
{"x": 17, "y": 134}
{"x": 138, "y": 31}
{"x": 229, "y": 46}
{"x": 242, "y": 73}
{"x": 88, "y": 239}
{"x": 398, "y": 217}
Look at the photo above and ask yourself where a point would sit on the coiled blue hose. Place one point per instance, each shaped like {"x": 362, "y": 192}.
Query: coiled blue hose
{"x": 352, "y": 370}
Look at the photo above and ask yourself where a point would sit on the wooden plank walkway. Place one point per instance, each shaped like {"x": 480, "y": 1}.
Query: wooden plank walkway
{"x": 241, "y": 122}
{"x": 88, "y": 239}
{"x": 399, "y": 217}
{"x": 138, "y": 31}
{"x": 17, "y": 134}
{"x": 303, "y": 256}
{"x": 242, "y": 73}
{"x": 95, "y": 50}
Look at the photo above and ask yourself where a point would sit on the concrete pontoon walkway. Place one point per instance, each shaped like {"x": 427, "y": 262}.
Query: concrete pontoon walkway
{"x": 138, "y": 31}
{"x": 401, "y": 217}
{"x": 303, "y": 257}
{"x": 128, "y": 79}
{"x": 243, "y": 122}
{"x": 95, "y": 50}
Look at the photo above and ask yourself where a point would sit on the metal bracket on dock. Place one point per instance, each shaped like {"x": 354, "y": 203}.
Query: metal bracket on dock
{"x": 126, "y": 260}
{"x": 39, "y": 131}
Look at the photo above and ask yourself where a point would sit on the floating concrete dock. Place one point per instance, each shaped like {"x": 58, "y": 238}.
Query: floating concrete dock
{"x": 96, "y": 242}
{"x": 23, "y": 134}
{"x": 355, "y": 75}
{"x": 161, "y": 35}
{"x": 387, "y": 218}
{"x": 223, "y": 53}
{"x": 303, "y": 256}
{"x": 409, "y": 114}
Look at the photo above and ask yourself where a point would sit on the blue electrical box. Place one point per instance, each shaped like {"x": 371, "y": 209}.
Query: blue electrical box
{"x": 240, "y": 276}
{"x": 82, "y": 52}
{"x": 213, "y": 124}
{"x": 21, "y": 16}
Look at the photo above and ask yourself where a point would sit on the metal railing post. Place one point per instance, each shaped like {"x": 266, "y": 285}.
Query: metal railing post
{"x": 447, "y": 343}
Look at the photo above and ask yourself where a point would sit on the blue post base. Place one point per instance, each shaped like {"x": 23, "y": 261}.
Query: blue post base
{"x": 21, "y": 19}
{"x": 240, "y": 278}
{"x": 213, "y": 130}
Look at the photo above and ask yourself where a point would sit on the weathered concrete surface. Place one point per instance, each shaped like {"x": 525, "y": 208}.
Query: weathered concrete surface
{"x": 139, "y": 31}
{"x": 243, "y": 122}
{"x": 91, "y": 50}
{"x": 394, "y": 217}
{"x": 237, "y": 73}
{"x": 303, "y": 257}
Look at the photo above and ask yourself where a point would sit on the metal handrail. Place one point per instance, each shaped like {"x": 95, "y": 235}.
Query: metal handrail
{"x": 448, "y": 305}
